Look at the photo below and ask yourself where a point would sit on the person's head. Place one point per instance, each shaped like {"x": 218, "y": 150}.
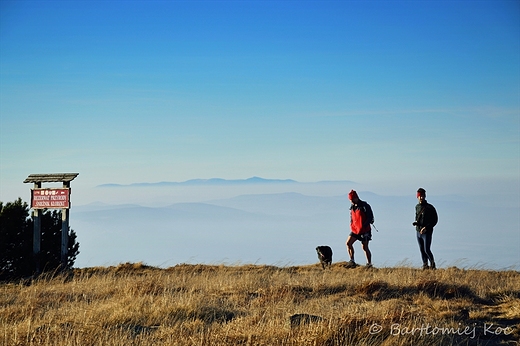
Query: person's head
{"x": 353, "y": 197}
{"x": 421, "y": 195}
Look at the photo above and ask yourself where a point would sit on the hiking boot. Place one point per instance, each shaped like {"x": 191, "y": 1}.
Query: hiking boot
{"x": 351, "y": 264}
{"x": 369, "y": 265}
{"x": 433, "y": 266}
{"x": 425, "y": 266}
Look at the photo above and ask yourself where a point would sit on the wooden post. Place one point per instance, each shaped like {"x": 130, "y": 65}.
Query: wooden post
{"x": 37, "y": 231}
{"x": 38, "y": 179}
{"x": 65, "y": 233}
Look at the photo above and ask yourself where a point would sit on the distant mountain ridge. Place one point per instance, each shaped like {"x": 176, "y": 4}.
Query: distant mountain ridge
{"x": 217, "y": 181}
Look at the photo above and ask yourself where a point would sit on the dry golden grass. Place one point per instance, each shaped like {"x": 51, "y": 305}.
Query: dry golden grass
{"x": 133, "y": 304}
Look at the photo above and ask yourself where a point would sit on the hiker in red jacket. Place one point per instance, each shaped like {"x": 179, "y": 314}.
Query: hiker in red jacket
{"x": 361, "y": 217}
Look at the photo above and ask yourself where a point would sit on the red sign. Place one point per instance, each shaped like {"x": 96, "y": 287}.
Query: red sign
{"x": 50, "y": 199}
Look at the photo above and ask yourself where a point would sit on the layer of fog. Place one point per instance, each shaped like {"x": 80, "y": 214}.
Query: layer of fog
{"x": 281, "y": 224}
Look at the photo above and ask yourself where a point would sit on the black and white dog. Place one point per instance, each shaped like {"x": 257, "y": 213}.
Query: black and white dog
{"x": 324, "y": 255}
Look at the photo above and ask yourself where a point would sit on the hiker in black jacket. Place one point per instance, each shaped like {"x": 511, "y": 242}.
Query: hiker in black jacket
{"x": 425, "y": 219}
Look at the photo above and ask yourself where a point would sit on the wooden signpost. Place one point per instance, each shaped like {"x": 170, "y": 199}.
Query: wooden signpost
{"x": 51, "y": 198}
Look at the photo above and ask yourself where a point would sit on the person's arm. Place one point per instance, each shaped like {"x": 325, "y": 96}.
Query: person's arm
{"x": 430, "y": 217}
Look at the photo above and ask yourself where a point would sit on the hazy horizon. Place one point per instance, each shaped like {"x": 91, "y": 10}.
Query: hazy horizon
{"x": 282, "y": 224}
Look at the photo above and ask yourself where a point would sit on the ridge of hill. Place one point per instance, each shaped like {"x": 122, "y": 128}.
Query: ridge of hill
{"x": 135, "y": 304}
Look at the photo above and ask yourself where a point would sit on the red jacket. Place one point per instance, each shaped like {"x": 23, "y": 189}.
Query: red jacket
{"x": 361, "y": 217}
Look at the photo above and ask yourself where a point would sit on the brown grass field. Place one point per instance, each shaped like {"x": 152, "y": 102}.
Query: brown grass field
{"x": 134, "y": 304}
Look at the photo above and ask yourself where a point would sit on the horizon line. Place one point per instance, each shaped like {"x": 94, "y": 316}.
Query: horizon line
{"x": 221, "y": 181}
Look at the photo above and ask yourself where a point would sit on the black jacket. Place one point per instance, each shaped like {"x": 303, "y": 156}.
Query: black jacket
{"x": 425, "y": 216}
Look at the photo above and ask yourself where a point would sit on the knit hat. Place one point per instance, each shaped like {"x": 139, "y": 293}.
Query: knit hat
{"x": 352, "y": 194}
{"x": 421, "y": 192}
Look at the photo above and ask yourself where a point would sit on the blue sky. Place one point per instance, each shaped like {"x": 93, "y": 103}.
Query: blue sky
{"x": 401, "y": 93}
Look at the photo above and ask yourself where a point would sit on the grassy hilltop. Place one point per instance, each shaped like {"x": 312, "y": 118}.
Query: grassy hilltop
{"x": 133, "y": 304}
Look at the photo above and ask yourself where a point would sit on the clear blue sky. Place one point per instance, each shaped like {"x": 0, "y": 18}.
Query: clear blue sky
{"x": 147, "y": 91}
